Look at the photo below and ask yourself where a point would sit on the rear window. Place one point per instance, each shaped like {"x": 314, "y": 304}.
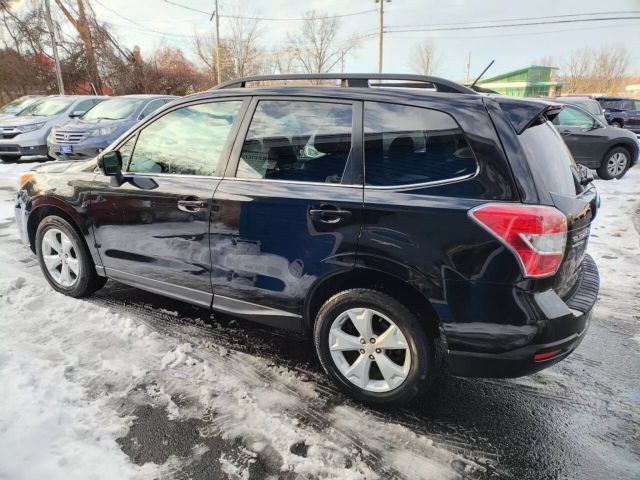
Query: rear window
{"x": 548, "y": 153}
{"x": 410, "y": 145}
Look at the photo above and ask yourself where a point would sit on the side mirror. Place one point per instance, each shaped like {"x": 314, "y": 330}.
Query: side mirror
{"x": 110, "y": 163}
{"x": 76, "y": 114}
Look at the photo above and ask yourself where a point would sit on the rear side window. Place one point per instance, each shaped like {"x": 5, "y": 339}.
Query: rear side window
{"x": 297, "y": 141}
{"x": 547, "y": 152}
{"x": 408, "y": 145}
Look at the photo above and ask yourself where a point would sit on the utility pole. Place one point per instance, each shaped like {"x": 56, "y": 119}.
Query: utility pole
{"x": 215, "y": 13}
{"x": 466, "y": 81}
{"x": 54, "y": 44}
{"x": 380, "y": 32}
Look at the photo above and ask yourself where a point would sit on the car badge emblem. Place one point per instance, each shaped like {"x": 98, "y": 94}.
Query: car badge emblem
{"x": 66, "y": 136}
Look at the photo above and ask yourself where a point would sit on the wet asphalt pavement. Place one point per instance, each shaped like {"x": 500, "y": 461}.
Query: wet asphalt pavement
{"x": 579, "y": 419}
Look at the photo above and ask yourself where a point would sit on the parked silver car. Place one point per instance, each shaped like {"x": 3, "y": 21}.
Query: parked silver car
{"x": 85, "y": 137}
{"x": 25, "y": 135}
{"x": 16, "y": 106}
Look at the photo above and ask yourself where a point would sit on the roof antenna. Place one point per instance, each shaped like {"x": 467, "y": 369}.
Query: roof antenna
{"x": 480, "y": 76}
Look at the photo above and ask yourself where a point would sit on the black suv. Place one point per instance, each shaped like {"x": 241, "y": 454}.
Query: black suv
{"x": 409, "y": 227}
{"x": 621, "y": 112}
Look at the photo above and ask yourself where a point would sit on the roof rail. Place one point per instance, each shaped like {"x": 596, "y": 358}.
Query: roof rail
{"x": 359, "y": 80}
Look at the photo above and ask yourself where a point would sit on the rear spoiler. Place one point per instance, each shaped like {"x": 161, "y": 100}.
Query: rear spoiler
{"x": 526, "y": 112}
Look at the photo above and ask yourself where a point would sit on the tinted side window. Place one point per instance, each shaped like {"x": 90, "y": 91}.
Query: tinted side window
{"x": 405, "y": 145}
{"x": 297, "y": 140}
{"x": 572, "y": 117}
{"x": 186, "y": 141}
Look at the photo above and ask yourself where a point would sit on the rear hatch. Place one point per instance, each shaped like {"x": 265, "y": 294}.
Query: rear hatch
{"x": 571, "y": 192}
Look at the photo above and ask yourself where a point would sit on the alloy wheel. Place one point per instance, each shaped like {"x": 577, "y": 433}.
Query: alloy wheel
{"x": 369, "y": 349}
{"x": 616, "y": 164}
{"x": 60, "y": 257}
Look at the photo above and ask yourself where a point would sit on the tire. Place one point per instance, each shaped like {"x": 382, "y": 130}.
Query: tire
{"x": 616, "y": 123}
{"x": 380, "y": 389}
{"x": 615, "y": 163}
{"x": 84, "y": 280}
{"x": 9, "y": 158}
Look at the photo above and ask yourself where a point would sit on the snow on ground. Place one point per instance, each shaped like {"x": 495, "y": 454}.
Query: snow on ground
{"x": 74, "y": 373}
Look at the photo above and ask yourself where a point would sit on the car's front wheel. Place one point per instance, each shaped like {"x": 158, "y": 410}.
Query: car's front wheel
{"x": 374, "y": 348}
{"x": 616, "y": 123}
{"x": 615, "y": 164}
{"x": 64, "y": 259}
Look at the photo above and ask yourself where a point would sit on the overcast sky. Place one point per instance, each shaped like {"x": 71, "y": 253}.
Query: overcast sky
{"x": 512, "y": 47}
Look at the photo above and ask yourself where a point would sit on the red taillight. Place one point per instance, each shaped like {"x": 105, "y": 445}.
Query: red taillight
{"x": 536, "y": 234}
{"x": 539, "y": 357}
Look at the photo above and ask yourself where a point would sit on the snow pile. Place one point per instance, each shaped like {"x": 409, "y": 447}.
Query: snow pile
{"x": 50, "y": 427}
{"x": 74, "y": 373}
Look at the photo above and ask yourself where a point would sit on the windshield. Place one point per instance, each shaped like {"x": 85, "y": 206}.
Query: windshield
{"x": 50, "y": 106}
{"x": 18, "y": 105}
{"x": 116, "y": 109}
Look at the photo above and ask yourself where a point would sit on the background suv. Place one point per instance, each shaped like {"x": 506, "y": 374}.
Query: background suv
{"x": 609, "y": 150}
{"x": 88, "y": 135}
{"x": 407, "y": 230}
{"x": 622, "y": 112}
{"x": 26, "y": 133}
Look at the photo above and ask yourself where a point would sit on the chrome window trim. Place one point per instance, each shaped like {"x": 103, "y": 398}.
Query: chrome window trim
{"x": 288, "y": 182}
{"x": 180, "y": 175}
{"x": 426, "y": 184}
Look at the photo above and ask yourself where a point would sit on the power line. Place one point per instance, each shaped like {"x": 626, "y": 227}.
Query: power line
{"x": 269, "y": 19}
{"x": 480, "y": 27}
{"x": 621, "y": 12}
{"x": 139, "y": 25}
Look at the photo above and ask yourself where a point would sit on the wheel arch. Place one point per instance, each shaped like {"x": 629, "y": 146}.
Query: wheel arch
{"x": 45, "y": 210}
{"x": 361, "y": 277}
{"x": 620, "y": 143}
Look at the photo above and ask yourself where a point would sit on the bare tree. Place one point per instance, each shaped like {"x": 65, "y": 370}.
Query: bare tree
{"x": 243, "y": 46}
{"x": 425, "y": 59}
{"x": 205, "y": 49}
{"x": 577, "y": 71}
{"x": 610, "y": 67}
{"x": 315, "y": 48}
{"x": 596, "y": 71}
{"x": 81, "y": 23}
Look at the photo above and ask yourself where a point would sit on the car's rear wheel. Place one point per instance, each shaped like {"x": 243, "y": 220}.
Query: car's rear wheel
{"x": 9, "y": 158}
{"x": 615, "y": 164}
{"x": 616, "y": 123}
{"x": 374, "y": 348}
{"x": 64, "y": 259}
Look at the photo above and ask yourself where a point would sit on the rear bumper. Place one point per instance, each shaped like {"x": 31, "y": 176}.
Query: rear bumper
{"x": 565, "y": 334}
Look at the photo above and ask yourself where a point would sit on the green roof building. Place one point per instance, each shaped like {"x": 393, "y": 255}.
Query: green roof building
{"x": 532, "y": 81}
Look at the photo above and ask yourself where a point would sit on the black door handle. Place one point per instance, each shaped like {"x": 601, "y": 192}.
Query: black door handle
{"x": 566, "y": 132}
{"x": 191, "y": 204}
{"x": 329, "y": 214}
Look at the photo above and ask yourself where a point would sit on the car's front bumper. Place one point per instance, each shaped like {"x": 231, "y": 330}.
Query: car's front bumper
{"x": 84, "y": 150}
{"x": 25, "y": 144}
{"x": 564, "y": 334}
